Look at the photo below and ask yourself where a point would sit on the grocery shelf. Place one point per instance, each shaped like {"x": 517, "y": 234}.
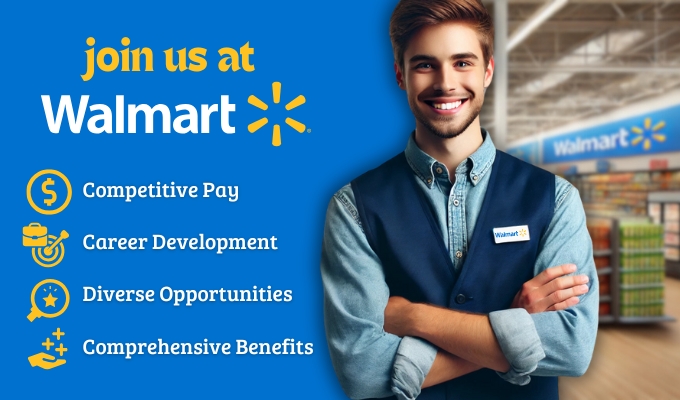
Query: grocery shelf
{"x": 643, "y": 285}
{"x": 646, "y": 320}
{"x": 623, "y": 191}
{"x": 640, "y": 299}
{"x": 627, "y": 269}
{"x": 642, "y": 251}
{"x": 664, "y": 208}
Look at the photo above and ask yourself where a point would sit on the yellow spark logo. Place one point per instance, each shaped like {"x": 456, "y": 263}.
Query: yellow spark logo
{"x": 276, "y": 94}
{"x": 523, "y": 232}
{"x": 648, "y": 133}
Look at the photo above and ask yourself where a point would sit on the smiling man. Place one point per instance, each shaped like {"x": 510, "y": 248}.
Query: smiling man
{"x": 449, "y": 268}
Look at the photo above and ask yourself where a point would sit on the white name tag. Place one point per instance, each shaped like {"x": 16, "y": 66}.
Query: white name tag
{"x": 518, "y": 233}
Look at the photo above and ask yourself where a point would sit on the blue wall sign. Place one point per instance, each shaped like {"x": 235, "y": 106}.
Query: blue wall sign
{"x": 526, "y": 152}
{"x": 654, "y": 132}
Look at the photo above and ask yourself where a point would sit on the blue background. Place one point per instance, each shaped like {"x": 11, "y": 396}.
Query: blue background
{"x": 337, "y": 55}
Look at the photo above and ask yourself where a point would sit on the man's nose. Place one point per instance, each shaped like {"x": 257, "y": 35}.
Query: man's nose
{"x": 446, "y": 80}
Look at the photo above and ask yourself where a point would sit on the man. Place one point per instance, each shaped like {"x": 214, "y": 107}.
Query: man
{"x": 437, "y": 265}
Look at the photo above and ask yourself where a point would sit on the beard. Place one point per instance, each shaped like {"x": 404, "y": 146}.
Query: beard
{"x": 443, "y": 126}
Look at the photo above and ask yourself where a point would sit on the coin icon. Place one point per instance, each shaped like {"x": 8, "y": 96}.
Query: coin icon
{"x": 48, "y": 185}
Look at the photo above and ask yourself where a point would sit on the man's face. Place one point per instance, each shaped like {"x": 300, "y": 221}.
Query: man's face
{"x": 444, "y": 76}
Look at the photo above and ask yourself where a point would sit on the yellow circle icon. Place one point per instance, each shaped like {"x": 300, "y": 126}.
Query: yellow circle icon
{"x": 30, "y": 186}
{"x": 36, "y": 312}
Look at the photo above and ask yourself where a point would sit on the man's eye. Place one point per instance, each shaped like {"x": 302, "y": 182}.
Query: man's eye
{"x": 424, "y": 66}
{"x": 462, "y": 64}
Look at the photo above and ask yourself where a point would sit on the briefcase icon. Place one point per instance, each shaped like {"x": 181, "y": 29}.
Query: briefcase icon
{"x": 35, "y": 235}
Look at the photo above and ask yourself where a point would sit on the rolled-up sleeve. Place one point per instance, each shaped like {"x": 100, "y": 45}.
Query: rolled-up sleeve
{"x": 368, "y": 361}
{"x": 519, "y": 341}
{"x": 566, "y": 337}
{"x": 411, "y": 364}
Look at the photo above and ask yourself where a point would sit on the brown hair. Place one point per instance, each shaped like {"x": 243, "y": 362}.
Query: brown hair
{"x": 411, "y": 15}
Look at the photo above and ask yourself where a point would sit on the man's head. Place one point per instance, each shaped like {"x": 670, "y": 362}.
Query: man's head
{"x": 443, "y": 52}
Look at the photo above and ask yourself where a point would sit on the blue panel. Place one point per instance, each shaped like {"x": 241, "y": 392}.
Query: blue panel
{"x": 654, "y": 132}
{"x": 526, "y": 152}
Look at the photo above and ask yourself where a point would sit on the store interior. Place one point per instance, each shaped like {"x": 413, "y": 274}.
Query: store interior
{"x": 591, "y": 92}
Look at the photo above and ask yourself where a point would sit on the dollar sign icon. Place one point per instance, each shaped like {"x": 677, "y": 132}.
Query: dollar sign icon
{"x": 49, "y": 192}
{"x": 49, "y": 176}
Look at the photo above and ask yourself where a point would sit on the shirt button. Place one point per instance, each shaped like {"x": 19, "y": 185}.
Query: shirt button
{"x": 429, "y": 181}
{"x": 439, "y": 170}
{"x": 456, "y": 203}
{"x": 460, "y": 299}
{"x": 475, "y": 177}
{"x": 459, "y": 254}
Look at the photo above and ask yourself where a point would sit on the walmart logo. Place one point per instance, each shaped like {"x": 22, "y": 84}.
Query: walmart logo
{"x": 523, "y": 232}
{"x": 276, "y": 133}
{"x": 613, "y": 141}
{"x": 648, "y": 134}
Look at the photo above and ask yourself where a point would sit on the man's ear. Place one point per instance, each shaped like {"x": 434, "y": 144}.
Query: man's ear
{"x": 400, "y": 76}
{"x": 488, "y": 74}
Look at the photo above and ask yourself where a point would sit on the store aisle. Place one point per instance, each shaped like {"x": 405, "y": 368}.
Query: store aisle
{"x": 633, "y": 361}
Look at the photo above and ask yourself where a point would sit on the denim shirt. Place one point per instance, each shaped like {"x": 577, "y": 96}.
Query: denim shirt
{"x": 370, "y": 362}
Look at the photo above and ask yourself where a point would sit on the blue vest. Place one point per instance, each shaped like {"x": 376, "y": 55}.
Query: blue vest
{"x": 402, "y": 229}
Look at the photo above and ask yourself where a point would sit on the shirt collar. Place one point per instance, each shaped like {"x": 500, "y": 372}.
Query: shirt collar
{"x": 423, "y": 164}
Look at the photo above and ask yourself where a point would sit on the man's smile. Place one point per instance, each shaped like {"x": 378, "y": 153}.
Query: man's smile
{"x": 446, "y": 106}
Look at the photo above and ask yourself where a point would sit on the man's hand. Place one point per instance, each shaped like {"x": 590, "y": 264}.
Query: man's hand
{"x": 551, "y": 291}
{"x": 397, "y": 316}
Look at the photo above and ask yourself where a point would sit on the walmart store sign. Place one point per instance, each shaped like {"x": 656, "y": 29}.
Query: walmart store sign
{"x": 655, "y": 132}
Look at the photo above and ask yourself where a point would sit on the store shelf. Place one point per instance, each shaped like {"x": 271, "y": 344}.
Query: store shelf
{"x": 607, "y": 319}
{"x": 641, "y": 269}
{"x": 623, "y": 192}
{"x": 665, "y": 207}
{"x": 640, "y": 299}
{"x": 642, "y": 251}
{"x": 645, "y": 320}
{"x": 643, "y": 286}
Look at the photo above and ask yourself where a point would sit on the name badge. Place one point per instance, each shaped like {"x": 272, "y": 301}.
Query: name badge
{"x": 518, "y": 233}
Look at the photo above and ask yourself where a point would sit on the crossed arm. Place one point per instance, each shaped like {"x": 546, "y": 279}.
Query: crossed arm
{"x": 467, "y": 342}
{"x": 372, "y": 361}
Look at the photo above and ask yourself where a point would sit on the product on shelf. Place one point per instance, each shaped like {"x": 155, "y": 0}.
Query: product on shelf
{"x": 643, "y": 236}
{"x": 600, "y": 233}
{"x": 612, "y": 194}
{"x": 642, "y": 269}
{"x": 605, "y": 309}
{"x": 672, "y": 254}
{"x": 605, "y": 288}
{"x": 602, "y": 261}
{"x": 672, "y": 211}
{"x": 642, "y": 260}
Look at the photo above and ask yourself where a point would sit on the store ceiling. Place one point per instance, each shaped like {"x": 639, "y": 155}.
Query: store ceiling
{"x": 589, "y": 57}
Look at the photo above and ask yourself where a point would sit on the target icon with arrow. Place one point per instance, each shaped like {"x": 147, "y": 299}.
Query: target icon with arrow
{"x": 47, "y": 250}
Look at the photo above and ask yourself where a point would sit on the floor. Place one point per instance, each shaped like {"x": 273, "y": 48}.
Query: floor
{"x": 633, "y": 362}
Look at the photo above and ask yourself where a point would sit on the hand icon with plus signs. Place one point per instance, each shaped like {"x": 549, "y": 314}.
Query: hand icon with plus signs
{"x": 45, "y": 361}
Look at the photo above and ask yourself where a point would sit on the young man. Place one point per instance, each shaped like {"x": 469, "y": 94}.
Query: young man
{"x": 436, "y": 265}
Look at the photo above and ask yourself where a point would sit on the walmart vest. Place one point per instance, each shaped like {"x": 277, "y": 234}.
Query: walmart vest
{"x": 402, "y": 229}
